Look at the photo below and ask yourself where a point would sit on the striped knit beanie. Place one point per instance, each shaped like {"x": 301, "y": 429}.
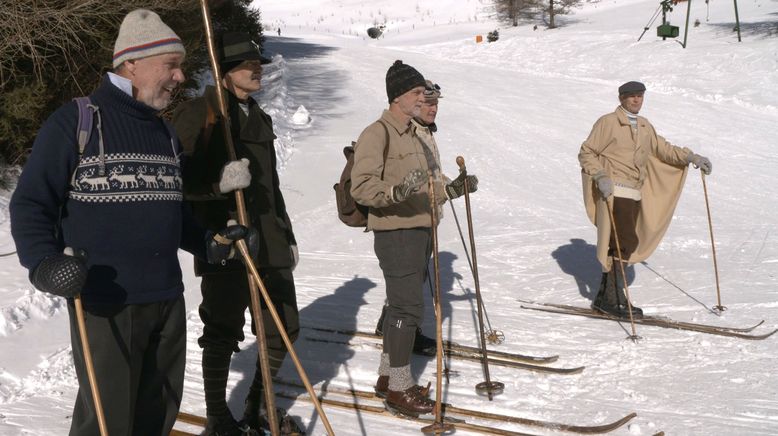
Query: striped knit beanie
{"x": 401, "y": 78}
{"x": 143, "y": 34}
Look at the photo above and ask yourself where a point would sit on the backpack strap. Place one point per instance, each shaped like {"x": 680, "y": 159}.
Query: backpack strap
{"x": 386, "y": 145}
{"x": 85, "y": 119}
{"x": 86, "y": 113}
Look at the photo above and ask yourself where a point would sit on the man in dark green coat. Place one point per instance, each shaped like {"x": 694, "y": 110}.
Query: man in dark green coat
{"x": 225, "y": 287}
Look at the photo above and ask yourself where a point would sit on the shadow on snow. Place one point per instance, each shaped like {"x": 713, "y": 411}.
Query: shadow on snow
{"x": 579, "y": 260}
{"x": 324, "y": 362}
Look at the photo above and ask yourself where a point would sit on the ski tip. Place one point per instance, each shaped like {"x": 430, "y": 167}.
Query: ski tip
{"x": 760, "y": 337}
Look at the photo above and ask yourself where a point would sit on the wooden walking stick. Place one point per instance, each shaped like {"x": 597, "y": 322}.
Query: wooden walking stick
{"x": 267, "y": 381}
{"x": 488, "y": 387}
{"x": 634, "y": 337}
{"x": 438, "y": 427}
{"x": 718, "y": 307}
{"x": 90, "y": 368}
{"x": 252, "y": 270}
{"x": 244, "y": 251}
{"x": 446, "y": 369}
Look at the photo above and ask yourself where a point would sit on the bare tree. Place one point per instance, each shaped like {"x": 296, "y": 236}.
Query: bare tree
{"x": 54, "y": 50}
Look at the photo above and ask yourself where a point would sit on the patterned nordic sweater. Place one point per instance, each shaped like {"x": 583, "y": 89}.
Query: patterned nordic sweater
{"x": 131, "y": 219}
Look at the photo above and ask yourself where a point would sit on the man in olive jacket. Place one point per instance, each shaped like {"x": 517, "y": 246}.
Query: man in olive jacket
{"x": 390, "y": 175}
{"x": 626, "y": 159}
{"x": 225, "y": 287}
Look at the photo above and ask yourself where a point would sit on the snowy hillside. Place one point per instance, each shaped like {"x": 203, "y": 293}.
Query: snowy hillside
{"x": 517, "y": 110}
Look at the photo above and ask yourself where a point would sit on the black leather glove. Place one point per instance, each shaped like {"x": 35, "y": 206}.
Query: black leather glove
{"x": 457, "y": 186}
{"x": 220, "y": 247}
{"x": 61, "y": 274}
{"x": 252, "y": 243}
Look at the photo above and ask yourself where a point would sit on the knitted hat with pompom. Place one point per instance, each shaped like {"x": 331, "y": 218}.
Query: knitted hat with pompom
{"x": 401, "y": 78}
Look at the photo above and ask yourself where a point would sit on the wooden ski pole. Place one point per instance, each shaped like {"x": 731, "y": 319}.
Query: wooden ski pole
{"x": 718, "y": 307}
{"x": 438, "y": 427}
{"x": 446, "y": 370}
{"x": 90, "y": 368}
{"x": 267, "y": 381}
{"x": 244, "y": 251}
{"x": 489, "y": 387}
{"x": 634, "y": 337}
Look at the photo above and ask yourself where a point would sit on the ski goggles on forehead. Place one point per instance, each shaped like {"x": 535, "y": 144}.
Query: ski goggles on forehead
{"x": 433, "y": 89}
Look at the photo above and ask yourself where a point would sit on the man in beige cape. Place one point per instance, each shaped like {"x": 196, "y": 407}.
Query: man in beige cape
{"x": 626, "y": 159}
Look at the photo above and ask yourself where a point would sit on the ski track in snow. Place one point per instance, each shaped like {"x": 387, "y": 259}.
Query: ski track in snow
{"x": 518, "y": 111}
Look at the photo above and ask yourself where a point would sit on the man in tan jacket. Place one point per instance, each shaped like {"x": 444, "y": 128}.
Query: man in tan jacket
{"x": 390, "y": 174}
{"x": 626, "y": 159}
{"x": 425, "y": 127}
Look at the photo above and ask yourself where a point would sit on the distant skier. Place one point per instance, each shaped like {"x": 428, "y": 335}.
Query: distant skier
{"x": 118, "y": 207}
{"x": 626, "y": 159}
{"x": 279, "y": 31}
{"x": 391, "y": 166}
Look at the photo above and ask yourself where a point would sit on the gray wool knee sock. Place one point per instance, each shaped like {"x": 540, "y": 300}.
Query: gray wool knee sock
{"x": 400, "y": 378}
{"x": 383, "y": 367}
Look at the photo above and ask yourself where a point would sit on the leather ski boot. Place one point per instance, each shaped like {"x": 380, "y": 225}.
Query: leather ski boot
{"x": 379, "y": 327}
{"x": 226, "y": 425}
{"x": 409, "y": 402}
{"x": 255, "y": 419}
{"x": 382, "y": 387}
{"x": 424, "y": 345}
{"x": 606, "y": 300}
{"x": 610, "y": 298}
{"x": 637, "y": 312}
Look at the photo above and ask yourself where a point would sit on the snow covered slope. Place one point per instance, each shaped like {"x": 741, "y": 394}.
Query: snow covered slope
{"x": 517, "y": 110}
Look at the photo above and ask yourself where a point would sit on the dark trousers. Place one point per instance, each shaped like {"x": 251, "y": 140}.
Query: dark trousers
{"x": 403, "y": 256}
{"x": 226, "y": 297}
{"x": 625, "y": 214}
{"x": 139, "y": 355}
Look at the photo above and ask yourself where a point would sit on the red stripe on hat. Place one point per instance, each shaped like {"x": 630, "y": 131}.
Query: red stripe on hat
{"x": 148, "y": 45}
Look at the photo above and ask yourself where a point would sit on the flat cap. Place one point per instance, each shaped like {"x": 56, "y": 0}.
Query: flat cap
{"x": 631, "y": 87}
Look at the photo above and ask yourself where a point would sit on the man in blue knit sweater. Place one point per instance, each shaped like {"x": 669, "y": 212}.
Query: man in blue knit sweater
{"x": 117, "y": 207}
